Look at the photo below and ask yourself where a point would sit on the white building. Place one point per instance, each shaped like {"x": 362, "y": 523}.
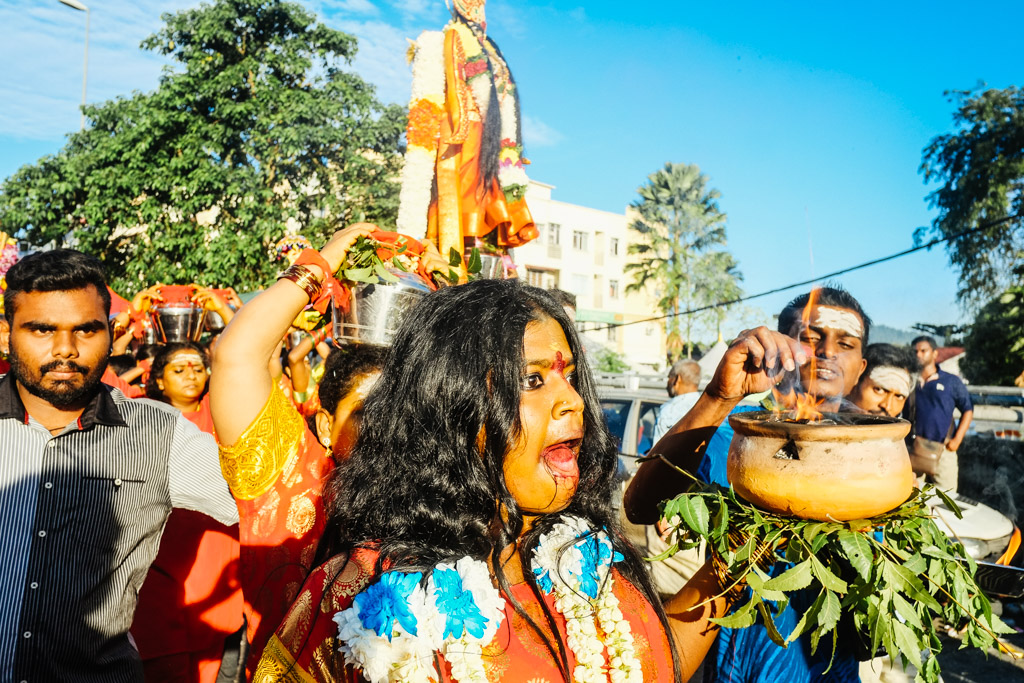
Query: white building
{"x": 583, "y": 251}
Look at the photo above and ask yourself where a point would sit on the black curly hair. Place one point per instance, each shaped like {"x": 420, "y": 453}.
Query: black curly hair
{"x": 344, "y": 366}
{"x": 417, "y": 487}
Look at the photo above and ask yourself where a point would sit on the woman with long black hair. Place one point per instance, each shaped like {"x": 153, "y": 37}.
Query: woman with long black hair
{"x": 473, "y": 533}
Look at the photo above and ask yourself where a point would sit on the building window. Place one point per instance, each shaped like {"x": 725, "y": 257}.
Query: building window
{"x": 545, "y": 279}
{"x": 613, "y": 289}
{"x": 613, "y": 333}
{"x": 553, "y": 234}
{"x": 613, "y": 246}
{"x": 579, "y": 240}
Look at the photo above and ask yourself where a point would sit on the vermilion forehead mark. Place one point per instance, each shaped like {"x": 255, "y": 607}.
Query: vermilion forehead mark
{"x": 559, "y": 365}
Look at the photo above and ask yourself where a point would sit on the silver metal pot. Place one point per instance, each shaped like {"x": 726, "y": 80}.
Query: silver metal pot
{"x": 376, "y": 311}
{"x": 214, "y": 323}
{"x": 179, "y": 322}
{"x": 492, "y": 267}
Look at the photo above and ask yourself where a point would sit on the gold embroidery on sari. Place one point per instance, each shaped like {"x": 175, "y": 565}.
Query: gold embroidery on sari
{"x": 278, "y": 666}
{"x": 264, "y": 522}
{"x": 257, "y": 459}
{"x": 301, "y": 516}
{"x": 295, "y": 628}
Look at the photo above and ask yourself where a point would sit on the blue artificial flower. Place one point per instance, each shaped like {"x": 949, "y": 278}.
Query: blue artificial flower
{"x": 597, "y": 553}
{"x": 460, "y": 610}
{"x": 387, "y": 601}
{"x": 591, "y": 550}
{"x": 543, "y": 580}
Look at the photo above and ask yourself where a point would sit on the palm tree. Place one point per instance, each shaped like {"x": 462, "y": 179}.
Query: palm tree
{"x": 679, "y": 225}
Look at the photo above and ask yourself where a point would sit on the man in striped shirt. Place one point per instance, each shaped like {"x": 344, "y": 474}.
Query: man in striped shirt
{"x": 88, "y": 479}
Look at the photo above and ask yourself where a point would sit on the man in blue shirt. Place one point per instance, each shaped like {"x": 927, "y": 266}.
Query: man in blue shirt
{"x": 834, "y": 330}
{"x": 936, "y": 396}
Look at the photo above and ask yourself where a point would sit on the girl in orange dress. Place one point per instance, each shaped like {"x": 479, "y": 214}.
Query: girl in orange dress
{"x": 274, "y": 459}
{"x": 472, "y": 532}
{"x": 191, "y": 601}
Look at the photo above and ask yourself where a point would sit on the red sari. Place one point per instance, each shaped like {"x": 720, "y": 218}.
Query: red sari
{"x": 304, "y": 649}
{"x": 276, "y": 472}
{"x": 191, "y": 600}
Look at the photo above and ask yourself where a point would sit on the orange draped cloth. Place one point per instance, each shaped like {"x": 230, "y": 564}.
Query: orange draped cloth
{"x": 191, "y": 600}
{"x": 304, "y": 649}
{"x": 276, "y": 472}
{"x": 466, "y": 207}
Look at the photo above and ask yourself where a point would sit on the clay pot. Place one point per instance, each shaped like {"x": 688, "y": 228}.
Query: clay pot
{"x": 828, "y": 472}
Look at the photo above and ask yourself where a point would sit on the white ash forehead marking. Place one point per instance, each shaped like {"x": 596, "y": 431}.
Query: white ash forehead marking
{"x": 839, "y": 319}
{"x": 187, "y": 358}
{"x": 892, "y": 379}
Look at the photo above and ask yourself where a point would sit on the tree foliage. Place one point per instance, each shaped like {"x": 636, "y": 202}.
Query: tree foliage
{"x": 610, "y": 362}
{"x": 680, "y": 230}
{"x": 994, "y": 345}
{"x": 255, "y": 126}
{"x": 981, "y": 168}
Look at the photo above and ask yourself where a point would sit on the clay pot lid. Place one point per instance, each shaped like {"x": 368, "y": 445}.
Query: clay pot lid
{"x": 850, "y": 427}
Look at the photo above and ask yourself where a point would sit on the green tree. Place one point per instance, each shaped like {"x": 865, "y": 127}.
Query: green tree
{"x": 254, "y": 126}
{"x": 994, "y": 344}
{"x": 610, "y": 362}
{"x": 680, "y": 228}
{"x": 981, "y": 168}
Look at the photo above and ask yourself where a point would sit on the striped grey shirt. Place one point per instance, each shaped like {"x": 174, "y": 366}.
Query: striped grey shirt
{"x": 81, "y": 515}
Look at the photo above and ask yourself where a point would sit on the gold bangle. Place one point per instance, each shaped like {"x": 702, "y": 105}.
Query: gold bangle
{"x": 305, "y": 279}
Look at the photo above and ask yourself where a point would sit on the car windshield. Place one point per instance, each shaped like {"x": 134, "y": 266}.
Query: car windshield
{"x": 616, "y": 413}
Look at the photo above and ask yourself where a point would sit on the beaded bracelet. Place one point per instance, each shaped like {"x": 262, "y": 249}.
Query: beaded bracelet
{"x": 305, "y": 279}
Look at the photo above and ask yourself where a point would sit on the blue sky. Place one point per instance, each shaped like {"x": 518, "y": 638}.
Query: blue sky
{"x": 809, "y": 118}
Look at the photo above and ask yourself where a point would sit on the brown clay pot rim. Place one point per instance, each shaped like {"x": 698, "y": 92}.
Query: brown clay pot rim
{"x": 753, "y": 423}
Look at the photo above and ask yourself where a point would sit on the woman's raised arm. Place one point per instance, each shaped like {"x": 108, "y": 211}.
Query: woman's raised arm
{"x": 240, "y": 383}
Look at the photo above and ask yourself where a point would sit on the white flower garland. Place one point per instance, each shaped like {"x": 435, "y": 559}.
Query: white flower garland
{"x": 418, "y": 171}
{"x": 396, "y": 625}
{"x": 574, "y": 563}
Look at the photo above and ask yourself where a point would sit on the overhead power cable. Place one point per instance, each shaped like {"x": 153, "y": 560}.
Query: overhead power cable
{"x": 866, "y": 264}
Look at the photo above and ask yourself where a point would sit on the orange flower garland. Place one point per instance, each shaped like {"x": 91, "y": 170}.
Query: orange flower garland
{"x": 424, "y": 127}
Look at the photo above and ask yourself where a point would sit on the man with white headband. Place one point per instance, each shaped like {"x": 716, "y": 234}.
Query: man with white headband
{"x": 832, "y": 329}
{"x": 887, "y": 380}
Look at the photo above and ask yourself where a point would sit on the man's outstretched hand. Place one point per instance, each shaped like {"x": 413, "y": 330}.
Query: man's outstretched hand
{"x": 754, "y": 362}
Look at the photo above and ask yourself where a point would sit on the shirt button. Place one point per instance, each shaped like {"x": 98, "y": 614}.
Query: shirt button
{"x": 51, "y": 444}
{"x": 118, "y": 482}
{"x": 27, "y": 634}
{"x": 48, "y": 485}
{"x": 42, "y": 534}
{"x": 33, "y": 585}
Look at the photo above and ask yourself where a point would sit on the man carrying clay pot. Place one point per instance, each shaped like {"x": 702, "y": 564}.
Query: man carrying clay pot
{"x": 832, "y": 329}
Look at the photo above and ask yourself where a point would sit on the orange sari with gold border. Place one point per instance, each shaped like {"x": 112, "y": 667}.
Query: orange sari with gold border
{"x": 276, "y": 472}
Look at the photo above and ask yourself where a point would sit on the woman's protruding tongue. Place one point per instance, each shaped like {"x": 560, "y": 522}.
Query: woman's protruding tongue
{"x": 561, "y": 460}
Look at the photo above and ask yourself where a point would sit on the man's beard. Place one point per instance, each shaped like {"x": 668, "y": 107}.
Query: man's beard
{"x": 61, "y": 394}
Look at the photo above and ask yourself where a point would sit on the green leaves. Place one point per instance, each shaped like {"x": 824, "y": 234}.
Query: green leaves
{"x": 858, "y": 552}
{"x": 890, "y": 577}
{"x": 794, "y": 578}
{"x": 979, "y": 169}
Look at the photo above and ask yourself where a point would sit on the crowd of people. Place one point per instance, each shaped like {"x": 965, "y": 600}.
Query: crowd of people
{"x": 271, "y": 506}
